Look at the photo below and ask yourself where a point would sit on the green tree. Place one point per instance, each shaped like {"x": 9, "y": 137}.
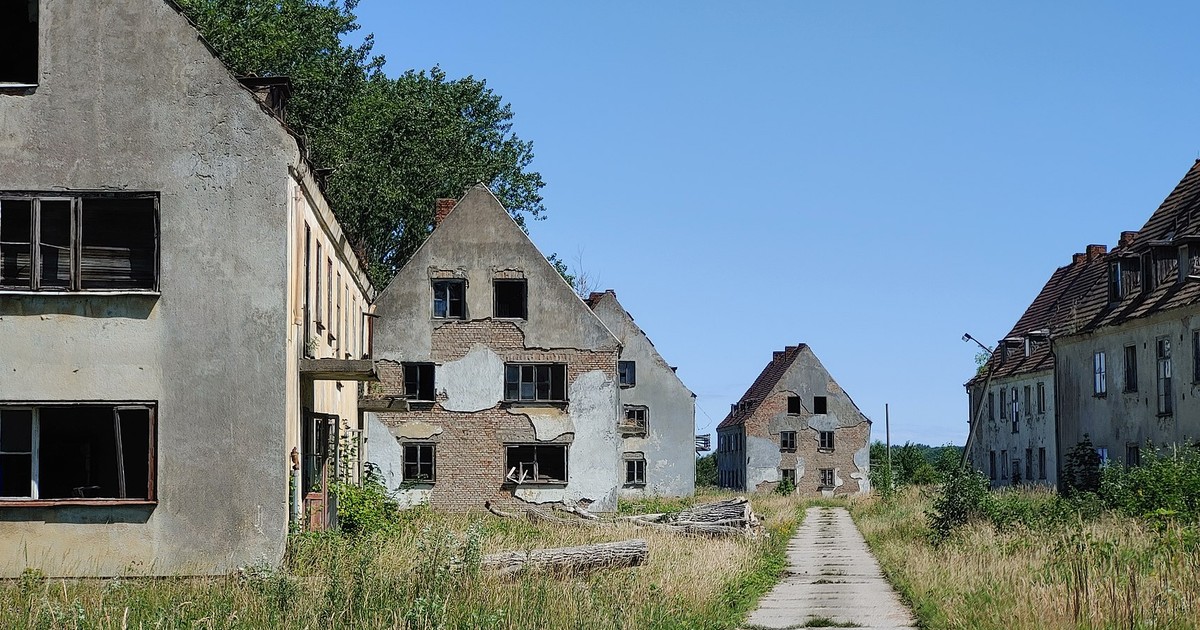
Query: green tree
{"x": 706, "y": 470}
{"x": 394, "y": 144}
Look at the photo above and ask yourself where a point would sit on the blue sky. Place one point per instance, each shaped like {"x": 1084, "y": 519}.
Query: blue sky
{"x": 873, "y": 179}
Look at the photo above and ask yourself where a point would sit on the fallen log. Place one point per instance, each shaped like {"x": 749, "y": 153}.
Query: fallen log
{"x": 536, "y": 514}
{"x": 726, "y": 511}
{"x": 568, "y": 560}
{"x": 696, "y": 529}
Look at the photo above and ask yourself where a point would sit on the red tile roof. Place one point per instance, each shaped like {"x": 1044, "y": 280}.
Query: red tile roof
{"x": 762, "y": 386}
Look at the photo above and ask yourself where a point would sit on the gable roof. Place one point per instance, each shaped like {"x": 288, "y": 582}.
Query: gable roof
{"x": 763, "y": 385}
{"x": 596, "y": 299}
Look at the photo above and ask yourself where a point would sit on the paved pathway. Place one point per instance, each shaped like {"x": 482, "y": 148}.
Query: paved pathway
{"x": 831, "y": 575}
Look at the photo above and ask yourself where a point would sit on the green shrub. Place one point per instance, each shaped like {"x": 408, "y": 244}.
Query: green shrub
{"x": 1167, "y": 484}
{"x": 786, "y": 487}
{"x": 367, "y": 507}
{"x": 1081, "y": 468}
{"x": 964, "y": 497}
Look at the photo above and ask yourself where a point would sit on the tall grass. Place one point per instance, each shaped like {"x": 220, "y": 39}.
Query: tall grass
{"x": 421, "y": 576}
{"x": 1076, "y": 570}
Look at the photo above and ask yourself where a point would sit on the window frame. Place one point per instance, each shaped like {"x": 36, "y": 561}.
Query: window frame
{"x": 826, "y": 445}
{"x": 627, "y": 373}
{"x": 446, "y": 283}
{"x": 151, "y": 408}
{"x": 1196, "y": 356}
{"x": 635, "y": 426}
{"x": 828, "y": 480}
{"x": 509, "y": 480}
{"x": 77, "y": 199}
{"x": 1041, "y": 397}
{"x": 7, "y": 86}
{"x": 787, "y": 441}
{"x": 1163, "y": 372}
{"x": 1099, "y": 374}
{"x": 431, "y": 463}
{"x": 1129, "y": 356}
{"x": 635, "y": 463}
{"x": 520, "y": 383}
{"x": 991, "y": 403}
{"x": 419, "y": 367}
{"x": 1004, "y": 403}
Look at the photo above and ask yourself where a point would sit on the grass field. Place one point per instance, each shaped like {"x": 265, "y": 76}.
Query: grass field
{"x": 420, "y": 577}
{"x": 1106, "y": 572}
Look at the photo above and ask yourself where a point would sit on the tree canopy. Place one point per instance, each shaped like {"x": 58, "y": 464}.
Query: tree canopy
{"x": 394, "y": 144}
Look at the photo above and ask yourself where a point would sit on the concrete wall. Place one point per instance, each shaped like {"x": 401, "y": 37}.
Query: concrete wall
{"x": 1035, "y": 431}
{"x": 1121, "y": 419}
{"x": 668, "y": 445}
{"x": 130, "y": 99}
{"x": 470, "y": 423}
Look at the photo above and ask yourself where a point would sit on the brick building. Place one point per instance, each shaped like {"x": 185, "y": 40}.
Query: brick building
{"x": 795, "y": 423}
{"x": 497, "y": 381}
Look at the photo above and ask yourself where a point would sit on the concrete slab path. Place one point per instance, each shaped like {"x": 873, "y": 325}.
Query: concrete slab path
{"x": 831, "y": 575}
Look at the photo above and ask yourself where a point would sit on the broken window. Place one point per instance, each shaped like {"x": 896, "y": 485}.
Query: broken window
{"x": 448, "y": 299}
{"x": 992, "y": 465}
{"x": 789, "y": 475}
{"x": 329, "y": 299}
{"x": 418, "y": 381}
{"x": 635, "y": 469}
{"x": 1028, "y": 401}
{"x": 1131, "y": 378}
{"x": 79, "y": 243}
{"x": 1042, "y": 462}
{"x": 1163, "y": 352}
{"x": 636, "y": 419}
{"x": 1003, "y": 404}
{"x": 509, "y": 298}
{"x": 1041, "y": 397}
{"x": 77, "y": 452}
{"x": 19, "y": 42}
{"x": 627, "y": 373}
{"x": 1196, "y": 356}
{"x": 535, "y": 383}
{"x": 827, "y": 479}
{"x": 1100, "y": 380}
{"x": 1125, "y": 278}
{"x": 787, "y": 440}
{"x": 307, "y": 287}
{"x": 825, "y": 440}
{"x": 794, "y": 406}
{"x": 1133, "y": 455}
{"x": 317, "y": 302}
{"x": 1028, "y": 464}
{"x": 991, "y": 407}
{"x": 419, "y": 462}
{"x": 1004, "y": 464}
{"x": 819, "y": 404}
{"x": 536, "y": 463}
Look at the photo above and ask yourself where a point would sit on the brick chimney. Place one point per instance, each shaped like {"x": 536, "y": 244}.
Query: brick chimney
{"x": 1096, "y": 251}
{"x": 1127, "y": 238}
{"x": 441, "y": 208}
{"x": 1078, "y": 257}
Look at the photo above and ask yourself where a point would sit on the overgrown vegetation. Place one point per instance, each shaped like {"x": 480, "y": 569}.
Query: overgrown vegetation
{"x": 394, "y": 144}
{"x": 1125, "y": 554}
{"x": 912, "y": 464}
{"x": 706, "y": 471}
{"x": 422, "y": 573}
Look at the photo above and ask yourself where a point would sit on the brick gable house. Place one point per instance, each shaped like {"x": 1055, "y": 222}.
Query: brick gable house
{"x": 795, "y": 423}
{"x": 497, "y": 382}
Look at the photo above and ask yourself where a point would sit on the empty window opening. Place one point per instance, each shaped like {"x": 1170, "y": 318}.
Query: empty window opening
{"x": 1041, "y": 397}
{"x": 1042, "y": 462}
{"x": 77, "y": 452}
{"x": 635, "y": 470}
{"x": 789, "y": 476}
{"x": 819, "y": 404}
{"x": 79, "y": 243}
{"x": 1028, "y": 401}
{"x": 636, "y": 419}
{"x": 1003, "y": 404}
{"x": 448, "y": 299}
{"x": 418, "y": 381}
{"x": 787, "y": 440}
{"x": 510, "y": 298}
{"x": 1196, "y": 356}
{"x": 535, "y": 383}
{"x": 1004, "y": 464}
{"x": 827, "y": 478}
{"x": 419, "y": 462}
{"x": 1131, "y": 375}
{"x": 1029, "y": 464}
{"x": 992, "y": 465}
{"x": 991, "y": 403}
{"x": 794, "y": 405}
{"x": 1133, "y": 455}
{"x": 1015, "y": 403}
{"x": 317, "y": 302}
{"x": 536, "y": 463}
{"x": 825, "y": 440}
{"x": 19, "y": 42}
{"x": 627, "y": 373}
{"x": 1099, "y": 372}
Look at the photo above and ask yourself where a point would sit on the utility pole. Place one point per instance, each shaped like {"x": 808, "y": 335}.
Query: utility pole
{"x": 887, "y": 427}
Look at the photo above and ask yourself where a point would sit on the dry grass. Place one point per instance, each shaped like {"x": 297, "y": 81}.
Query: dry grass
{"x": 414, "y": 579}
{"x": 1114, "y": 572}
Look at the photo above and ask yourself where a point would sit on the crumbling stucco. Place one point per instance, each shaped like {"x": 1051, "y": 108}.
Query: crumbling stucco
{"x": 472, "y": 383}
{"x": 763, "y": 458}
{"x": 548, "y": 422}
{"x": 862, "y": 461}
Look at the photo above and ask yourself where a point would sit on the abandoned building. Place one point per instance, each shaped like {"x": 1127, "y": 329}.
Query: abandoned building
{"x": 1012, "y": 397}
{"x": 497, "y": 382}
{"x": 1129, "y": 373}
{"x": 795, "y": 424}
{"x": 179, "y": 310}
{"x": 658, "y": 412}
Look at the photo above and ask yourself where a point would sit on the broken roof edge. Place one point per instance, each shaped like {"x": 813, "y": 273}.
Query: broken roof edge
{"x": 596, "y": 298}
{"x": 789, "y": 354}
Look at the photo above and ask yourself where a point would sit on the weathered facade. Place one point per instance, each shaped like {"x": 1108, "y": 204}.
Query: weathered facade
{"x": 1129, "y": 374}
{"x": 795, "y": 423}
{"x": 658, "y": 412}
{"x": 497, "y": 382}
{"x": 153, "y": 221}
{"x": 1015, "y": 441}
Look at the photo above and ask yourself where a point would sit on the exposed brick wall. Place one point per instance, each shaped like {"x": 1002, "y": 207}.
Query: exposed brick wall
{"x": 847, "y": 441}
{"x": 470, "y": 448}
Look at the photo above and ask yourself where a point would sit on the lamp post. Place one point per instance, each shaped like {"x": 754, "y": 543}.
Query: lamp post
{"x": 979, "y": 411}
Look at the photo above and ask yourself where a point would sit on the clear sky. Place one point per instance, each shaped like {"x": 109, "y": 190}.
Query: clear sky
{"x": 873, "y": 179}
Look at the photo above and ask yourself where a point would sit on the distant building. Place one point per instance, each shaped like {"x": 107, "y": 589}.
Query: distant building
{"x": 658, "y": 413}
{"x": 497, "y": 382}
{"x": 795, "y": 423}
